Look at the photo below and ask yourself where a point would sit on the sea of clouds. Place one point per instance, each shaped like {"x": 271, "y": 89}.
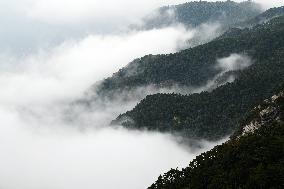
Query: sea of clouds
{"x": 51, "y": 52}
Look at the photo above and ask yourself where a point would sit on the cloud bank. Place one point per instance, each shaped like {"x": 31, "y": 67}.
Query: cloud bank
{"x": 39, "y": 24}
{"x": 44, "y": 146}
{"x": 63, "y": 158}
{"x": 55, "y": 11}
{"x": 67, "y": 70}
{"x": 51, "y": 52}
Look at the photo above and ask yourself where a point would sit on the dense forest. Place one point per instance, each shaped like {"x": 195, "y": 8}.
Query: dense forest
{"x": 264, "y": 17}
{"x": 191, "y": 67}
{"x": 209, "y": 114}
{"x": 212, "y": 115}
{"x": 253, "y": 158}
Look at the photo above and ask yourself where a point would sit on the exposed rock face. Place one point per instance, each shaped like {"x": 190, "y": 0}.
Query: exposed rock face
{"x": 250, "y": 128}
{"x": 264, "y": 114}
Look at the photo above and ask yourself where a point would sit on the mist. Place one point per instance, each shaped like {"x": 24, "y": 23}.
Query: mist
{"x": 50, "y": 56}
{"x": 66, "y": 71}
{"x": 40, "y": 24}
{"x": 43, "y": 145}
{"x": 226, "y": 67}
{"x": 63, "y": 157}
{"x": 233, "y": 62}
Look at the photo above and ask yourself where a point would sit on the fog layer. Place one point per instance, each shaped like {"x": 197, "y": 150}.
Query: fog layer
{"x": 64, "y": 158}
{"x": 50, "y": 55}
{"x": 44, "y": 146}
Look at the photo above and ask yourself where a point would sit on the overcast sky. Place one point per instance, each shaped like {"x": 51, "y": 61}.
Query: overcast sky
{"x": 32, "y": 24}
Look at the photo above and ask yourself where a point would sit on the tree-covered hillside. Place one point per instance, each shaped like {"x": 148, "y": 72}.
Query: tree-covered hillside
{"x": 213, "y": 114}
{"x": 199, "y": 12}
{"x": 258, "y": 20}
{"x": 254, "y": 158}
{"x": 264, "y": 17}
{"x": 191, "y": 67}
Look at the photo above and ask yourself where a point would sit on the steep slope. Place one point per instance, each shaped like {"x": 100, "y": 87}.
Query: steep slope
{"x": 253, "y": 158}
{"x": 264, "y": 17}
{"x": 189, "y": 68}
{"x": 214, "y": 114}
{"x": 196, "y": 13}
{"x": 260, "y": 19}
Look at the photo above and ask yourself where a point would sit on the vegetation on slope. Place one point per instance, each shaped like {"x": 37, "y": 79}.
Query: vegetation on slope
{"x": 264, "y": 17}
{"x": 252, "y": 159}
{"x": 214, "y": 114}
{"x": 191, "y": 67}
{"x": 199, "y": 12}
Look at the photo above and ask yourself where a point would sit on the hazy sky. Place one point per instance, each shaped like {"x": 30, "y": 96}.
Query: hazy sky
{"x": 33, "y": 24}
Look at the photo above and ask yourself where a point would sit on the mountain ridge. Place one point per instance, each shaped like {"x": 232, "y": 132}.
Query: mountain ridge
{"x": 143, "y": 72}
{"x": 212, "y": 115}
{"x": 195, "y": 13}
{"x": 252, "y": 158}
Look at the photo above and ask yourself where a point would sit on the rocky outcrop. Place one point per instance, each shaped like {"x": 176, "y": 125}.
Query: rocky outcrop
{"x": 270, "y": 111}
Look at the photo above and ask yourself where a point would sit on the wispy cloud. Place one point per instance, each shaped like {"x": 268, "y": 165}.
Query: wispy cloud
{"x": 67, "y": 70}
{"x": 233, "y": 62}
{"x": 44, "y": 146}
{"x": 75, "y": 43}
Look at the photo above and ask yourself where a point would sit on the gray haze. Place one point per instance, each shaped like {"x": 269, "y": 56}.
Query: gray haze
{"x": 29, "y": 25}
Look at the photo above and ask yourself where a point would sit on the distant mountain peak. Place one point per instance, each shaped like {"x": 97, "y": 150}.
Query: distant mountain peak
{"x": 196, "y": 13}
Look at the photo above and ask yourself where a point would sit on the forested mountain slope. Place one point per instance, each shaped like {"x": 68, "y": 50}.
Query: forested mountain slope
{"x": 263, "y": 17}
{"x": 189, "y": 68}
{"x": 260, "y": 19}
{"x": 199, "y": 12}
{"x": 253, "y": 158}
{"x": 214, "y": 114}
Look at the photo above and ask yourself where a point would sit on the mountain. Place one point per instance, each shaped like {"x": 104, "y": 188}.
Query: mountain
{"x": 214, "y": 114}
{"x": 144, "y": 71}
{"x": 260, "y": 19}
{"x": 269, "y": 111}
{"x": 253, "y": 158}
{"x": 264, "y": 17}
{"x": 193, "y": 14}
{"x": 182, "y": 70}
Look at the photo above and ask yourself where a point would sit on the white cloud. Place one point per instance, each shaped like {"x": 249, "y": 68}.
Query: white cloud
{"x": 33, "y": 24}
{"x": 234, "y": 62}
{"x": 65, "y": 158}
{"x": 91, "y": 11}
{"x": 44, "y": 146}
{"x": 68, "y": 70}
{"x": 103, "y": 12}
{"x": 39, "y": 146}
